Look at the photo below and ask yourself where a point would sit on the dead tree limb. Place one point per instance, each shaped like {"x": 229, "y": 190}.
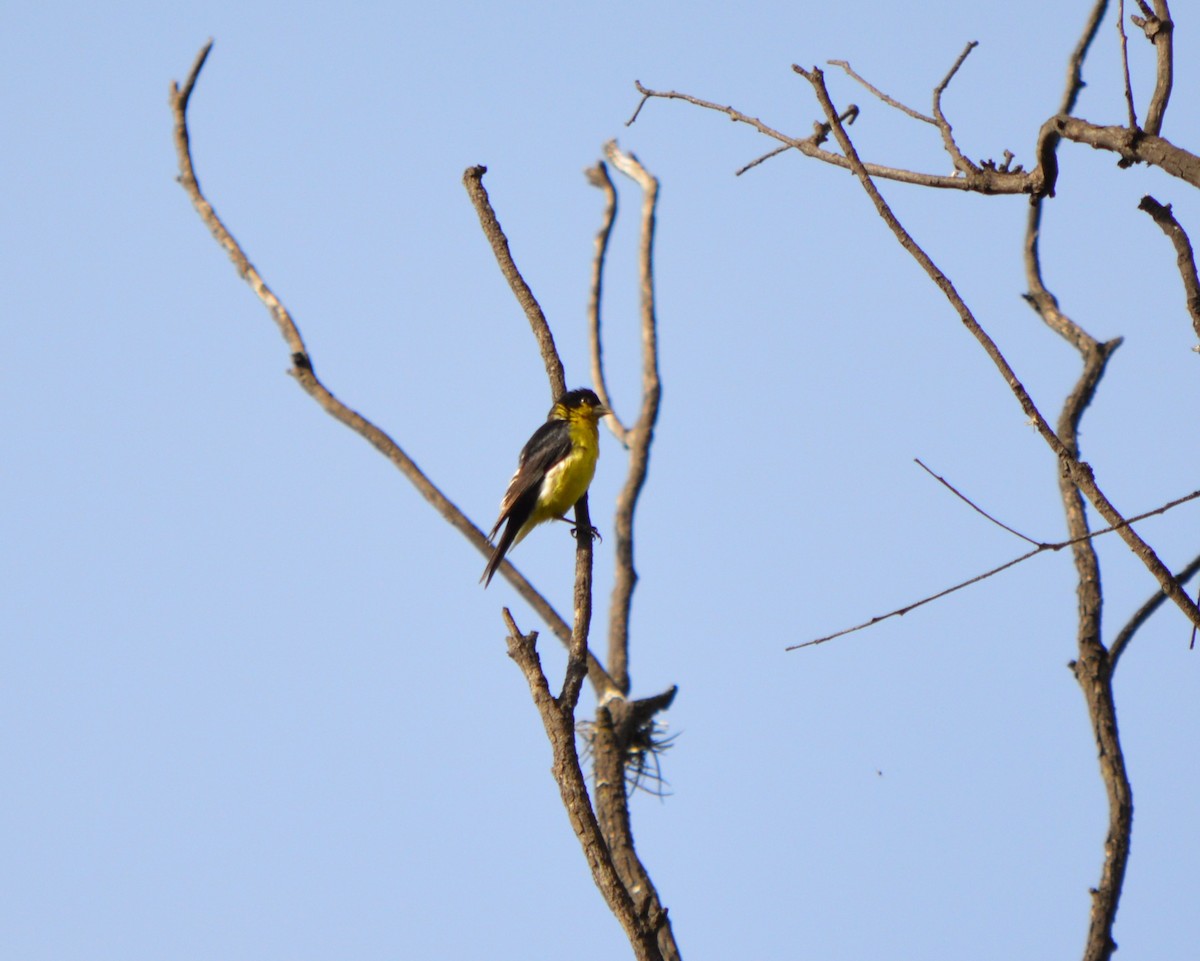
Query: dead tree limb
{"x": 304, "y": 373}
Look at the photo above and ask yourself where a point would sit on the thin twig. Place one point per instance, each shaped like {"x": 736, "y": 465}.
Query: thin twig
{"x": 1133, "y": 124}
{"x": 758, "y": 160}
{"x": 970, "y": 503}
{"x": 890, "y": 101}
{"x": 820, "y": 135}
{"x": 981, "y": 181}
{"x": 1143, "y": 613}
{"x": 181, "y": 95}
{"x": 1075, "y": 84}
{"x": 901, "y": 611}
{"x": 1041, "y": 548}
{"x": 598, "y": 177}
{"x": 960, "y": 162}
{"x": 1184, "y": 257}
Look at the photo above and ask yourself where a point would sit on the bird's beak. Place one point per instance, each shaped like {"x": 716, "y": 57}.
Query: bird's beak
{"x": 601, "y": 411}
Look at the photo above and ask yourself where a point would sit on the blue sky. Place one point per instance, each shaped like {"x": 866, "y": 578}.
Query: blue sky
{"x": 254, "y": 704}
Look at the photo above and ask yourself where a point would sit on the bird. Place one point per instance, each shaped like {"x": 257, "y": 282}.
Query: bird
{"x": 554, "y": 470}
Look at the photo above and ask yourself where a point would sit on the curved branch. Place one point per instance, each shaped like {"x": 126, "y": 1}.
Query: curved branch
{"x": 305, "y": 375}
{"x": 1131, "y": 146}
{"x": 1143, "y": 614}
{"x": 1184, "y": 257}
{"x": 641, "y": 436}
{"x": 1093, "y": 669}
{"x": 961, "y": 163}
{"x": 598, "y": 177}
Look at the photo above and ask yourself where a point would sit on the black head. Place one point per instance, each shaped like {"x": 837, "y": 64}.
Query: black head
{"x": 580, "y": 401}
{"x": 580, "y": 397}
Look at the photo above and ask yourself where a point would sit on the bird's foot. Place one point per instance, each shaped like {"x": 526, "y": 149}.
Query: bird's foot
{"x": 595, "y": 534}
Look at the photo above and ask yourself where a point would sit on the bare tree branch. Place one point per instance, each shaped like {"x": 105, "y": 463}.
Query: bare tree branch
{"x": 890, "y": 101}
{"x": 971, "y": 504}
{"x": 558, "y": 719}
{"x": 820, "y": 135}
{"x": 1039, "y": 297}
{"x": 1080, "y": 472}
{"x": 1040, "y": 549}
{"x": 1131, "y": 146}
{"x": 305, "y": 375}
{"x": 619, "y": 732}
{"x": 901, "y": 611}
{"x": 1075, "y": 84}
{"x": 1160, "y": 31}
{"x": 616, "y": 722}
{"x": 579, "y": 660}
{"x": 763, "y": 159}
{"x": 1093, "y": 668}
{"x": 598, "y": 177}
{"x": 982, "y": 181}
{"x": 641, "y": 436}
{"x": 473, "y": 181}
{"x": 1184, "y": 256}
{"x": 1133, "y": 124}
{"x": 1143, "y": 614}
{"x": 577, "y": 651}
{"x": 961, "y": 163}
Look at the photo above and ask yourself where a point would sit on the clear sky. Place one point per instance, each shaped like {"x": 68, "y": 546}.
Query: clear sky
{"x": 253, "y": 701}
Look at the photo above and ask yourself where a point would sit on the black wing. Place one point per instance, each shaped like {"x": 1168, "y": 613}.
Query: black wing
{"x": 549, "y": 444}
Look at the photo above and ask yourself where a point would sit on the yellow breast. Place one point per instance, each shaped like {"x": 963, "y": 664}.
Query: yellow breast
{"x": 568, "y": 480}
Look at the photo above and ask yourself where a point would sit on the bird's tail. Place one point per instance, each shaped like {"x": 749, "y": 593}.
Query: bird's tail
{"x": 501, "y": 548}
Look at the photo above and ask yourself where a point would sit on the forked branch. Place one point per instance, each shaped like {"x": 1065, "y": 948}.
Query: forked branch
{"x": 1080, "y": 472}
{"x": 558, "y": 719}
{"x": 1040, "y": 548}
{"x": 620, "y": 723}
{"x": 640, "y": 436}
{"x": 984, "y": 180}
{"x": 1159, "y": 29}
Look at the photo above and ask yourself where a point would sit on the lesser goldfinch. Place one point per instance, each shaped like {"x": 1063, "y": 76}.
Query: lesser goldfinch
{"x": 553, "y": 472}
